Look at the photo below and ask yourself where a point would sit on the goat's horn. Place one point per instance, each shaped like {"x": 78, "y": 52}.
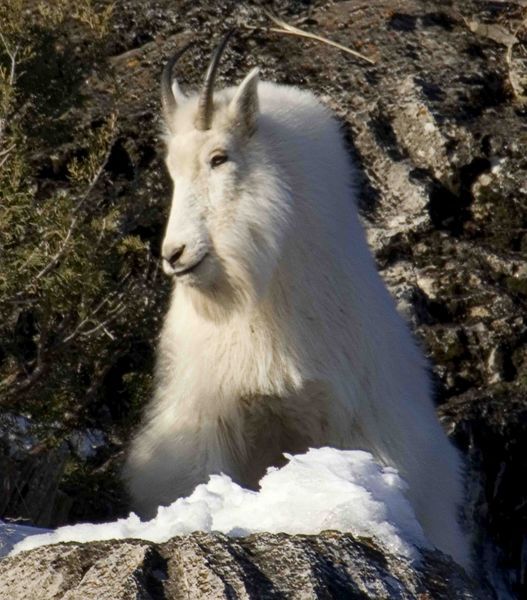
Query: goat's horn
{"x": 204, "y": 116}
{"x": 168, "y": 99}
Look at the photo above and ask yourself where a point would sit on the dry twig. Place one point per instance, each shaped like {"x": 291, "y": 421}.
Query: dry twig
{"x": 502, "y": 35}
{"x": 286, "y": 29}
{"x": 12, "y": 57}
{"x": 73, "y": 223}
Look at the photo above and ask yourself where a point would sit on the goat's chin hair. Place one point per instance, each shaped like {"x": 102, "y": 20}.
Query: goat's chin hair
{"x": 231, "y": 293}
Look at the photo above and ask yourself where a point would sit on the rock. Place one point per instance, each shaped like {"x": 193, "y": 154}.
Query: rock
{"x": 329, "y": 565}
{"x": 489, "y": 425}
{"x": 30, "y": 484}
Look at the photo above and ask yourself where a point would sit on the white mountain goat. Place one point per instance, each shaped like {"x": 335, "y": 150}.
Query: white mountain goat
{"x": 280, "y": 334}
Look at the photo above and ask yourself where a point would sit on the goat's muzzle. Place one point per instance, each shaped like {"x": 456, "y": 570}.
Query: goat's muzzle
{"x": 174, "y": 256}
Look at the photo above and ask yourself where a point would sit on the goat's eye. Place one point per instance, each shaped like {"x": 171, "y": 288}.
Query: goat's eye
{"x": 217, "y": 160}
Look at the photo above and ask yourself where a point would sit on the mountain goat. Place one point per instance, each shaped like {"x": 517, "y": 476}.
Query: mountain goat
{"x": 280, "y": 333}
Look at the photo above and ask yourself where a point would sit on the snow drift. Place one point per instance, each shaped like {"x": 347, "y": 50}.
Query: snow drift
{"x": 322, "y": 489}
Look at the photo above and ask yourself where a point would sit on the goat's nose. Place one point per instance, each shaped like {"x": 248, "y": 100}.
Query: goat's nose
{"x": 174, "y": 256}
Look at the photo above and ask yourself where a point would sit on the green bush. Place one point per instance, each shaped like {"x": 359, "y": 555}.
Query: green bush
{"x": 80, "y": 289}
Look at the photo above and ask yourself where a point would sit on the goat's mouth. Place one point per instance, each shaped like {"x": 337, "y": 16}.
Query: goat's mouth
{"x": 192, "y": 268}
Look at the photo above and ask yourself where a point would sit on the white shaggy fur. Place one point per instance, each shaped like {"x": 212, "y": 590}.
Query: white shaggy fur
{"x": 284, "y": 337}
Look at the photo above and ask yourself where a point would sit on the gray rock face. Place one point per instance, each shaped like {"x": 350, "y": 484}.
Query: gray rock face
{"x": 329, "y": 565}
{"x": 438, "y": 127}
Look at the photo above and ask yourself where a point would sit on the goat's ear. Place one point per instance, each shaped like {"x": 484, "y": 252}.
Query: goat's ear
{"x": 178, "y": 93}
{"x": 169, "y": 115}
{"x": 243, "y": 109}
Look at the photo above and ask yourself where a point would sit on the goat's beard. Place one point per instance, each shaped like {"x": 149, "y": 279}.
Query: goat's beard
{"x": 236, "y": 276}
{"x": 231, "y": 291}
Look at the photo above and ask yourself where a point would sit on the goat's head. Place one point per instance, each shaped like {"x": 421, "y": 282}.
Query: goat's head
{"x": 227, "y": 216}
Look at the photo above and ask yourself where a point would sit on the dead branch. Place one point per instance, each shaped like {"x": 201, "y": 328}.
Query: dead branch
{"x": 286, "y": 29}
{"x": 12, "y": 57}
{"x": 78, "y": 328}
{"x": 74, "y": 221}
{"x": 113, "y": 313}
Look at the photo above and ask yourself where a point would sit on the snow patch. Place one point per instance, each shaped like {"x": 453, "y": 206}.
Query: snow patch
{"x": 18, "y": 432}
{"x": 323, "y": 489}
{"x": 13, "y": 533}
{"x": 86, "y": 443}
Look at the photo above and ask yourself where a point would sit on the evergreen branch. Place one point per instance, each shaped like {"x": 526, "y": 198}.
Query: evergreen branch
{"x": 94, "y": 312}
{"x": 14, "y": 388}
{"x": 11, "y": 81}
{"x": 74, "y": 221}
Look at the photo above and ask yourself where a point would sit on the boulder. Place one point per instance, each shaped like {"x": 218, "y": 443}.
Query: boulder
{"x": 206, "y": 566}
